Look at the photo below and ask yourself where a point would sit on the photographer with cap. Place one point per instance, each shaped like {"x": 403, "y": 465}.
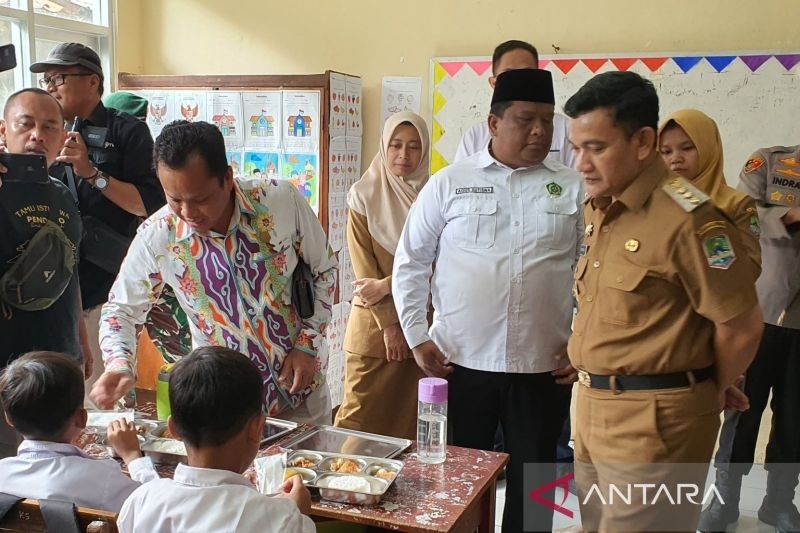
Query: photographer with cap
{"x": 112, "y": 177}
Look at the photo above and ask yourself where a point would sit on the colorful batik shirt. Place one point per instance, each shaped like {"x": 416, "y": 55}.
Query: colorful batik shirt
{"x": 235, "y": 288}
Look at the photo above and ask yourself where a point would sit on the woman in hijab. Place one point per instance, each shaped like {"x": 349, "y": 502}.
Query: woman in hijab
{"x": 690, "y": 145}
{"x": 381, "y": 376}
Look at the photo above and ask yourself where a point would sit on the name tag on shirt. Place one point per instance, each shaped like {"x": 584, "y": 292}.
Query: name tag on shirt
{"x": 479, "y": 190}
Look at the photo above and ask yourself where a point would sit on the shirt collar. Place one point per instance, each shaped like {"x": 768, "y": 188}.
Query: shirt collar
{"x": 207, "y": 477}
{"x": 642, "y": 186}
{"x": 242, "y": 204}
{"x": 99, "y": 116}
{"x": 486, "y": 159}
{"x": 40, "y": 449}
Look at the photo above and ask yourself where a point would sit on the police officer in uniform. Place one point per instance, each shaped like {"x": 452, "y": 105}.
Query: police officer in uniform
{"x": 667, "y": 311}
{"x": 772, "y": 177}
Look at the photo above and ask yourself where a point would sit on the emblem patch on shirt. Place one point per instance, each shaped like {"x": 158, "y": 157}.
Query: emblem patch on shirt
{"x": 554, "y": 189}
{"x": 753, "y": 164}
{"x": 790, "y": 162}
{"x": 755, "y": 226}
{"x": 631, "y": 245}
{"x": 479, "y": 190}
{"x": 790, "y": 198}
{"x": 719, "y": 252}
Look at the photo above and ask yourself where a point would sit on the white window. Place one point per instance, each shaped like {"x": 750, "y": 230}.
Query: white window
{"x": 36, "y": 26}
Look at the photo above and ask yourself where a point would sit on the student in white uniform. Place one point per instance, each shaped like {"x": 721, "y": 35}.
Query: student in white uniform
{"x": 42, "y": 397}
{"x": 215, "y": 398}
{"x": 503, "y": 227}
{"x": 512, "y": 55}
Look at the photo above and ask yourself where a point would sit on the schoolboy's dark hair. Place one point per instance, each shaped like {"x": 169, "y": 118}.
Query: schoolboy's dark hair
{"x": 213, "y": 393}
{"x": 632, "y": 100}
{"x": 509, "y": 46}
{"x": 181, "y": 139}
{"x": 40, "y": 392}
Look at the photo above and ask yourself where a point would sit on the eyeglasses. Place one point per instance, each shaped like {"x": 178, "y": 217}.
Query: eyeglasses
{"x": 58, "y": 79}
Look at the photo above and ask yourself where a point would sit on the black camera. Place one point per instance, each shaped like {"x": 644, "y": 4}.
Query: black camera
{"x": 8, "y": 58}
{"x": 93, "y": 136}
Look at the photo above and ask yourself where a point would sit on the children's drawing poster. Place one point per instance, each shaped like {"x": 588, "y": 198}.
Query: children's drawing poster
{"x": 235, "y": 161}
{"x": 337, "y": 220}
{"x": 337, "y": 166}
{"x": 353, "y": 95}
{"x": 191, "y": 105}
{"x": 302, "y": 170}
{"x": 346, "y": 276}
{"x": 399, "y": 93}
{"x": 161, "y": 110}
{"x": 353, "y": 156}
{"x": 224, "y": 110}
{"x": 262, "y": 120}
{"x": 338, "y": 106}
{"x": 261, "y": 165}
{"x": 301, "y": 121}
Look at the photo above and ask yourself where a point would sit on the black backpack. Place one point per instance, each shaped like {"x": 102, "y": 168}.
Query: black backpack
{"x": 42, "y": 272}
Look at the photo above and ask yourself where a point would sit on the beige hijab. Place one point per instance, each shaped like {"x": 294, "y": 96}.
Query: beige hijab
{"x": 383, "y": 198}
{"x": 703, "y": 132}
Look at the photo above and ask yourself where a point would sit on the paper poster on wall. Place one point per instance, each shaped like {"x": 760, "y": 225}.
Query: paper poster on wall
{"x": 334, "y": 336}
{"x": 191, "y": 105}
{"x": 337, "y": 220}
{"x": 224, "y": 110}
{"x": 261, "y": 164}
{"x": 353, "y": 94}
{"x": 301, "y": 121}
{"x": 235, "y": 161}
{"x": 161, "y": 110}
{"x": 262, "y": 124}
{"x": 337, "y": 166}
{"x": 338, "y": 106}
{"x": 346, "y": 276}
{"x": 302, "y": 170}
{"x": 353, "y": 156}
{"x": 399, "y": 93}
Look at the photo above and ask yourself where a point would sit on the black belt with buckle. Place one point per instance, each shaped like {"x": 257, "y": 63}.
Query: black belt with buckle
{"x": 647, "y": 382}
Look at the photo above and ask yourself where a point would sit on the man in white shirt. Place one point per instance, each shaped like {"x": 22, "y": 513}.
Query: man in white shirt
{"x": 222, "y": 433}
{"x": 507, "y": 56}
{"x": 502, "y": 227}
{"x": 42, "y": 397}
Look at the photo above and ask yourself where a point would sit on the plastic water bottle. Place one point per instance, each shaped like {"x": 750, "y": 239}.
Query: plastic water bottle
{"x": 432, "y": 420}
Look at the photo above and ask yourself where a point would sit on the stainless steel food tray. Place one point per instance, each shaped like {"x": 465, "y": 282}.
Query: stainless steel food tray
{"x": 317, "y": 473}
{"x": 329, "y": 439}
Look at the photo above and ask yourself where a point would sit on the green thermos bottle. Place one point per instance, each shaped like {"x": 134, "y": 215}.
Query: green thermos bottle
{"x": 162, "y": 392}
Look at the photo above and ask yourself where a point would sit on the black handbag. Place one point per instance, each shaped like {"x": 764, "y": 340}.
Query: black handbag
{"x": 303, "y": 289}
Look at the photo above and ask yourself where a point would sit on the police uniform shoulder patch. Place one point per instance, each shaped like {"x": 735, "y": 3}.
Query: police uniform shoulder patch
{"x": 684, "y": 193}
{"x": 753, "y": 164}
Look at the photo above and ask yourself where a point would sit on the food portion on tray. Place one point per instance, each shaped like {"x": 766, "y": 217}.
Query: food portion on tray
{"x": 342, "y": 477}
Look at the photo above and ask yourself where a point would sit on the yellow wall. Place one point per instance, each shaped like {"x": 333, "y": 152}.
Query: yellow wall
{"x": 374, "y": 38}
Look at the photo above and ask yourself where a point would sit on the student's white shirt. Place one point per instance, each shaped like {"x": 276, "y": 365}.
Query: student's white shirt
{"x": 51, "y": 470}
{"x": 201, "y": 500}
{"x": 505, "y": 242}
{"x": 477, "y": 138}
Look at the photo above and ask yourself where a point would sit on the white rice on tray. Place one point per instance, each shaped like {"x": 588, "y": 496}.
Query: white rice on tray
{"x": 351, "y": 483}
{"x": 174, "y": 447}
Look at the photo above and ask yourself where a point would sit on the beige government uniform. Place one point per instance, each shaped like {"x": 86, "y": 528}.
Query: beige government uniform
{"x": 380, "y": 396}
{"x": 661, "y": 266}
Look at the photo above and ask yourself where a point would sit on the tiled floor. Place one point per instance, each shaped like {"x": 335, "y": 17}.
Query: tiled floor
{"x": 753, "y": 489}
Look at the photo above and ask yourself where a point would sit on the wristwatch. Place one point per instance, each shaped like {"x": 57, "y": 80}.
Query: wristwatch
{"x": 101, "y": 181}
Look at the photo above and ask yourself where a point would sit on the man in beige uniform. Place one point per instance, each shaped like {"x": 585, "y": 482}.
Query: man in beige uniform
{"x": 667, "y": 311}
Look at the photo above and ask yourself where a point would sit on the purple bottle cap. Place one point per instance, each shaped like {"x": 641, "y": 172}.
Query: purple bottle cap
{"x": 432, "y": 390}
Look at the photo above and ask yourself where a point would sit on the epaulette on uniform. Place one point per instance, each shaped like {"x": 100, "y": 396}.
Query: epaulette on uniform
{"x": 781, "y": 149}
{"x": 684, "y": 193}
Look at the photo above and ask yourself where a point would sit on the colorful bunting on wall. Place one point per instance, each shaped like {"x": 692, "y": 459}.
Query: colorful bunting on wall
{"x": 685, "y": 63}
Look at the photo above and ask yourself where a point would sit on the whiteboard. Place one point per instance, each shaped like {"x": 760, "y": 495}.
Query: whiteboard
{"x": 753, "y": 97}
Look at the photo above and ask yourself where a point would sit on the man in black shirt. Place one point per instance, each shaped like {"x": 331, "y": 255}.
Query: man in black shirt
{"x": 113, "y": 179}
{"x": 33, "y": 124}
